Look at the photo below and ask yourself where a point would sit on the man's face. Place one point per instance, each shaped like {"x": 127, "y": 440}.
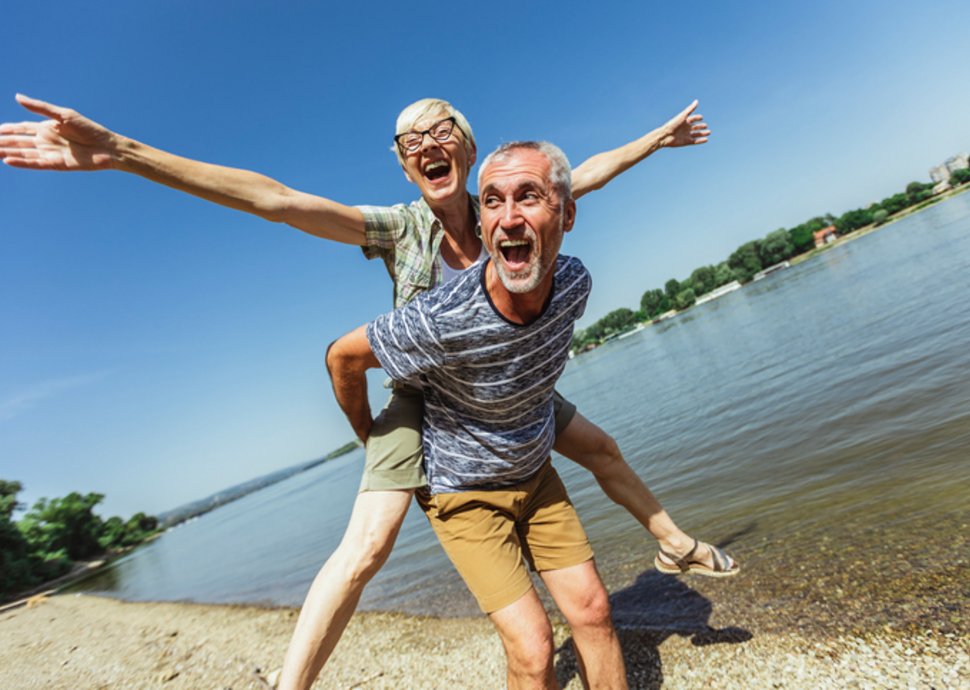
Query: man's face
{"x": 439, "y": 168}
{"x": 523, "y": 218}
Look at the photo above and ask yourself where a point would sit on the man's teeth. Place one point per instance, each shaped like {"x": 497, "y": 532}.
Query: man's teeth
{"x": 434, "y": 165}
{"x": 513, "y": 243}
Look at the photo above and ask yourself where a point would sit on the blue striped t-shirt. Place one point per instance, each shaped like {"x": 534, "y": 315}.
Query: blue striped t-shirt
{"x": 487, "y": 382}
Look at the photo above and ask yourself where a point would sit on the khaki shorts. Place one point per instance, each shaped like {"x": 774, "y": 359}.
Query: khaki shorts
{"x": 487, "y": 534}
{"x": 394, "y": 453}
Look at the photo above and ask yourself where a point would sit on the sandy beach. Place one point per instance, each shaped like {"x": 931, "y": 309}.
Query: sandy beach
{"x": 73, "y": 641}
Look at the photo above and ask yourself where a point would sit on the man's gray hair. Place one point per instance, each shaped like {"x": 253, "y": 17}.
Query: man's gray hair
{"x": 560, "y": 174}
{"x": 432, "y": 106}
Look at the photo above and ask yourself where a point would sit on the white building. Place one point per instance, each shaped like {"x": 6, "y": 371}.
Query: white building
{"x": 942, "y": 172}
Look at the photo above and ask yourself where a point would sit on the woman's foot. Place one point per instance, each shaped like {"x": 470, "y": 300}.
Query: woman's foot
{"x": 701, "y": 559}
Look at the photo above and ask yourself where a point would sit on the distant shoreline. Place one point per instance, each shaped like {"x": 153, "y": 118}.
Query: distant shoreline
{"x": 869, "y": 229}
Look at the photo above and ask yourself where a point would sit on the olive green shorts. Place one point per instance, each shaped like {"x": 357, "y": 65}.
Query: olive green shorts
{"x": 394, "y": 453}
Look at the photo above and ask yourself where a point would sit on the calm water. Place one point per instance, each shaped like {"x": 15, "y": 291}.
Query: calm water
{"x": 817, "y": 421}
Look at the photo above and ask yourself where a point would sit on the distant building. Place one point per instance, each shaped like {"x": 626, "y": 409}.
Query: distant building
{"x": 939, "y": 174}
{"x": 825, "y": 236}
{"x": 942, "y": 172}
{"x": 957, "y": 162}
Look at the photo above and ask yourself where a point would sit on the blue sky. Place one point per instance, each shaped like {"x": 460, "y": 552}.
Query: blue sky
{"x": 157, "y": 348}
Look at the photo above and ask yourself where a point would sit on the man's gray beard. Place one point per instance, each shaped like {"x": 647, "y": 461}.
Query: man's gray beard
{"x": 524, "y": 281}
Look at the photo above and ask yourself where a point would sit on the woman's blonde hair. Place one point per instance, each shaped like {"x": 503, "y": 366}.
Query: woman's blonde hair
{"x": 417, "y": 110}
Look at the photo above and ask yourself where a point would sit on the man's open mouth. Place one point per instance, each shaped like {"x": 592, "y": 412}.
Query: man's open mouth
{"x": 435, "y": 170}
{"x": 516, "y": 253}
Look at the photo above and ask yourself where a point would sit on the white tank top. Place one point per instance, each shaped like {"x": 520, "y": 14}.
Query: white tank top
{"x": 448, "y": 273}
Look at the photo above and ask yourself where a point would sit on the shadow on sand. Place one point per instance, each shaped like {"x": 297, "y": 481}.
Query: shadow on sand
{"x": 646, "y": 613}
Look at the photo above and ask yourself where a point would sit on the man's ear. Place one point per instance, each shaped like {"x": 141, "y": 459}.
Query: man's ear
{"x": 472, "y": 157}
{"x": 568, "y": 215}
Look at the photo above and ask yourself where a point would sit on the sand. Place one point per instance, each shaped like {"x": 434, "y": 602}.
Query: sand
{"x": 73, "y": 641}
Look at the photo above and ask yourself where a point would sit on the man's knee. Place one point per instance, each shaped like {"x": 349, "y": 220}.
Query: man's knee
{"x": 593, "y": 611}
{"x": 531, "y": 655}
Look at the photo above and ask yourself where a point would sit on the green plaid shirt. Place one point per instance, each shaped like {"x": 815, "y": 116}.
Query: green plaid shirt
{"x": 407, "y": 238}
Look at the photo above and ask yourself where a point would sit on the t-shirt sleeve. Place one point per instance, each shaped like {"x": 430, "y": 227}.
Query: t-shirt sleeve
{"x": 577, "y": 284}
{"x": 383, "y": 228}
{"x": 406, "y": 342}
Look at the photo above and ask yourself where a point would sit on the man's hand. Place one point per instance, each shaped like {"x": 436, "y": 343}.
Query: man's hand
{"x": 65, "y": 141}
{"x": 686, "y": 128}
{"x": 348, "y": 359}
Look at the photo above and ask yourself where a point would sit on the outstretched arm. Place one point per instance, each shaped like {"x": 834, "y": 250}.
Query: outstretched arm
{"x": 685, "y": 129}
{"x": 68, "y": 141}
{"x": 348, "y": 359}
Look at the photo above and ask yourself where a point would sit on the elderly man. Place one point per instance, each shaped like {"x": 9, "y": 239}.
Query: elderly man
{"x": 486, "y": 351}
{"x": 423, "y": 244}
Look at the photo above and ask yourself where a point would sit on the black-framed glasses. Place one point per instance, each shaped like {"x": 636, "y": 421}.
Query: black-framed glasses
{"x": 409, "y": 142}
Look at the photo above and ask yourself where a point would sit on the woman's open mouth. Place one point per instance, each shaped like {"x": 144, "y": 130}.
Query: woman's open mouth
{"x": 436, "y": 170}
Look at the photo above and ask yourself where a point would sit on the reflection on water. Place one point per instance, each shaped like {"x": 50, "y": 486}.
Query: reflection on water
{"x": 822, "y": 410}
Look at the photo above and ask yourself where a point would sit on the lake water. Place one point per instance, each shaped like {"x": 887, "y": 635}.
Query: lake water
{"x": 817, "y": 423}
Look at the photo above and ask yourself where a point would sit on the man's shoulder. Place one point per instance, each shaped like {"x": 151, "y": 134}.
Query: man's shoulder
{"x": 571, "y": 267}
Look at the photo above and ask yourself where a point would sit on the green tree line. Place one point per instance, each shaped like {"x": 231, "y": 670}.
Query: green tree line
{"x": 54, "y": 533}
{"x": 750, "y": 258}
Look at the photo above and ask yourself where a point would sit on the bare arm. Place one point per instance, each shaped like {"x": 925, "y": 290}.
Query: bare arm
{"x": 684, "y": 129}
{"x": 68, "y": 141}
{"x": 348, "y": 360}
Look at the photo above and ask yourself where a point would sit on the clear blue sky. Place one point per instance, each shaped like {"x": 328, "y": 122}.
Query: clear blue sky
{"x": 157, "y": 348}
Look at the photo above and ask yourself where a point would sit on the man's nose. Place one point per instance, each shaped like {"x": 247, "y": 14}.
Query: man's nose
{"x": 511, "y": 217}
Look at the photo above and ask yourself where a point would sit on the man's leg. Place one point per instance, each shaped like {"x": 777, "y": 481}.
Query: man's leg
{"x": 527, "y": 639}
{"x": 586, "y": 444}
{"x": 580, "y": 595}
{"x": 333, "y": 596}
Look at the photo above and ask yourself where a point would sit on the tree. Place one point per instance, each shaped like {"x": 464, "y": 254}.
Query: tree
{"x": 654, "y": 302}
{"x": 914, "y": 188}
{"x": 8, "y": 498}
{"x": 64, "y": 524}
{"x": 895, "y": 203}
{"x": 684, "y": 299}
{"x": 746, "y": 260}
{"x": 776, "y": 247}
{"x": 723, "y": 274}
{"x": 961, "y": 176}
{"x": 880, "y": 216}
{"x": 672, "y": 287}
{"x": 702, "y": 280}
{"x": 618, "y": 320}
{"x": 853, "y": 220}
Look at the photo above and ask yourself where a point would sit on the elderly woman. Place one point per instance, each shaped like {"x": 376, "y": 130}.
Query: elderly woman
{"x": 423, "y": 244}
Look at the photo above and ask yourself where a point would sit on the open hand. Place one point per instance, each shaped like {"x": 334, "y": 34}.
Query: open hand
{"x": 686, "y": 128}
{"x": 65, "y": 141}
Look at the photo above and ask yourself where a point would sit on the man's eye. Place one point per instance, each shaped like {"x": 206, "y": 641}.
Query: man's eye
{"x": 491, "y": 201}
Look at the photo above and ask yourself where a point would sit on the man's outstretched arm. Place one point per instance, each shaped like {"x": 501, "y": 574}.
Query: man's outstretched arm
{"x": 684, "y": 129}
{"x": 348, "y": 359}
{"x": 68, "y": 141}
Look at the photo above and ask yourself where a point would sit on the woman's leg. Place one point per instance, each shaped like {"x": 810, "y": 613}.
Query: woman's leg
{"x": 586, "y": 444}
{"x": 392, "y": 471}
{"x": 333, "y": 596}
